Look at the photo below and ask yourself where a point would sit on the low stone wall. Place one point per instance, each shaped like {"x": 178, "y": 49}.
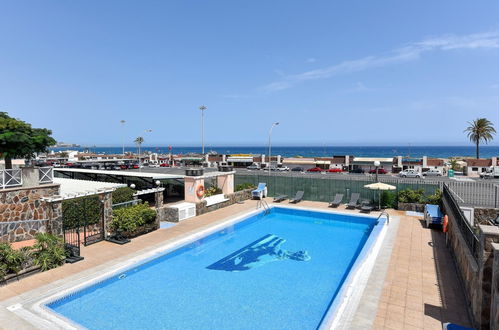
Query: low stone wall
{"x": 16, "y": 231}
{"x": 482, "y": 215}
{"x": 166, "y": 213}
{"x": 410, "y": 207}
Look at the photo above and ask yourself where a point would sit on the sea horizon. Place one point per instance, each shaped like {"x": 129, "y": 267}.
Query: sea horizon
{"x": 311, "y": 151}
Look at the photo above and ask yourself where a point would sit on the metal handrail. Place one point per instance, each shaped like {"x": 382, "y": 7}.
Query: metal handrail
{"x": 387, "y": 217}
{"x": 263, "y": 204}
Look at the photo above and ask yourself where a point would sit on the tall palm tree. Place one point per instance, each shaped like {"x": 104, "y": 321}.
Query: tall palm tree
{"x": 480, "y": 130}
{"x": 138, "y": 141}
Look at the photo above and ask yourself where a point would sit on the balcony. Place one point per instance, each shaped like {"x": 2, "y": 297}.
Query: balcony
{"x": 26, "y": 177}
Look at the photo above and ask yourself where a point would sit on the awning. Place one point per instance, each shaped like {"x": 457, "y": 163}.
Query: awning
{"x": 240, "y": 159}
{"x": 323, "y": 162}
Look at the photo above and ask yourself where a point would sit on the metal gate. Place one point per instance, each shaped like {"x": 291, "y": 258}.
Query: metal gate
{"x": 83, "y": 222}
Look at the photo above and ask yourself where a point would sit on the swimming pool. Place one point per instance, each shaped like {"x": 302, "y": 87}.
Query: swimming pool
{"x": 281, "y": 270}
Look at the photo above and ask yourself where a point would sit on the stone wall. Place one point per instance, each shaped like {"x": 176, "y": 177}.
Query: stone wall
{"x": 23, "y": 213}
{"x": 236, "y": 197}
{"x": 482, "y": 215}
{"x": 488, "y": 236}
{"x": 494, "y": 307}
{"x": 166, "y": 213}
{"x": 410, "y": 207}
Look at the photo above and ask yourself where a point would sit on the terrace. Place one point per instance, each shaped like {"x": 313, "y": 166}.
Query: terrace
{"x": 413, "y": 284}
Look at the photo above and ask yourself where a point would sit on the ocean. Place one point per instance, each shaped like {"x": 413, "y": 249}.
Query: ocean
{"x": 317, "y": 151}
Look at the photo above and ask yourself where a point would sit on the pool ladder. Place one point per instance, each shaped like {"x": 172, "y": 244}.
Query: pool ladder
{"x": 263, "y": 204}
{"x": 387, "y": 217}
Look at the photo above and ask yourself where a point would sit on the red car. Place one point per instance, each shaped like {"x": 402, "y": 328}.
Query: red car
{"x": 135, "y": 166}
{"x": 380, "y": 171}
{"x": 164, "y": 165}
{"x": 334, "y": 170}
{"x": 315, "y": 169}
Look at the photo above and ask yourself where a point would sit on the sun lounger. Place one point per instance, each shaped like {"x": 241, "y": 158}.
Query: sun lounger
{"x": 432, "y": 215}
{"x": 336, "y": 201}
{"x": 280, "y": 198}
{"x": 366, "y": 207}
{"x": 354, "y": 200}
{"x": 298, "y": 197}
{"x": 260, "y": 191}
{"x": 452, "y": 326}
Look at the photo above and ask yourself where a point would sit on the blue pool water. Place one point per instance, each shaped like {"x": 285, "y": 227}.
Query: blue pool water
{"x": 279, "y": 271}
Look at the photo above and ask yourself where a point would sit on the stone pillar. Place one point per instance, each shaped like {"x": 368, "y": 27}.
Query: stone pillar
{"x": 488, "y": 236}
{"x": 425, "y": 161}
{"x": 54, "y": 225}
{"x": 263, "y": 159}
{"x": 107, "y": 211}
{"x": 191, "y": 184}
{"x": 226, "y": 183}
{"x": 494, "y": 307}
{"x": 158, "y": 198}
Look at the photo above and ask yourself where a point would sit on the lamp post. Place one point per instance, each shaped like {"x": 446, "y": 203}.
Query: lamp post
{"x": 202, "y": 108}
{"x": 122, "y": 122}
{"x": 376, "y": 165}
{"x": 270, "y": 144}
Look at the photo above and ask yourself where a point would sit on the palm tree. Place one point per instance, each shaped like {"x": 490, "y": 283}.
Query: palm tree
{"x": 138, "y": 141}
{"x": 480, "y": 129}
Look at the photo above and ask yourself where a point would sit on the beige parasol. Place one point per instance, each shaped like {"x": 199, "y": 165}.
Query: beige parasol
{"x": 381, "y": 187}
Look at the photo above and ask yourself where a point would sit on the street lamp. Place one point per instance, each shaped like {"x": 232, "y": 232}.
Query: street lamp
{"x": 202, "y": 108}
{"x": 270, "y": 143}
{"x": 123, "y": 137}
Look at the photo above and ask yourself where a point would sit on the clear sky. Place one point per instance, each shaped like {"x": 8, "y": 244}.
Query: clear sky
{"x": 331, "y": 72}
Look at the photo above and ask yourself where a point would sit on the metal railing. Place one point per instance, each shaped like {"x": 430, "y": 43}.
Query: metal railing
{"x": 263, "y": 204}
{"x": 457, "y": 217}
{"x": 10, "y": 178}
{"x": 126, "y": 204}
{"x": 45, "y": 174}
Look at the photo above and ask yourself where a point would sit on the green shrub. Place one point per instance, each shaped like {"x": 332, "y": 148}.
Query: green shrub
{"x": 244, "y": 186}
{"x": 388, "y": 199}
{"x": 48, "y": 251}
{"x": 78, "y": 211}
{"x": 123, "y": 194}
{"x": 10, "y": 260}
{"x": 411, "y": 196}
{"x": 131, "y": 218}
{"x": 436, "y": 198}
{"x": 212, "y": 191}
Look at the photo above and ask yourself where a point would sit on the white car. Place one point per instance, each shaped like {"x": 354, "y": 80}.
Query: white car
{"x": 410, "y": 174}
{"x": 281, "y": 169}
{"x": 432, "y": 172}
{"x": 153, "y": 165}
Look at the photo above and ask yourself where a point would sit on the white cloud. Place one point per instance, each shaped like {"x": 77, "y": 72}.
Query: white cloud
{"x": 311, "y": 60}
{"x": 409, "y": 52}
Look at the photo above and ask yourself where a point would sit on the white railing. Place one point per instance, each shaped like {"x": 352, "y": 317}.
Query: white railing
{"x": 11, "y": 178}
{"x": 45, "y": 174}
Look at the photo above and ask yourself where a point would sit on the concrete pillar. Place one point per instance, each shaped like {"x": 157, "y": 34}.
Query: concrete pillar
{"x": 226, "y": 183}
{"x": 191, "y": 184}
{"x": 263, "y": 158}
{"x": 347, "y": 160}
{"x": 30, "y": 176}
{"x": 278, "y": 159}
{"x": 425, "y": 161}
{"x": 224, "y": 158}
{"x": 494, "y": 161}
{"x": 206, "y": 158}
{"x": 399, "y": 161}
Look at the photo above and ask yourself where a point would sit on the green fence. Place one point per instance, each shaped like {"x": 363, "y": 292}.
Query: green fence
{"x": 318, "y": 188}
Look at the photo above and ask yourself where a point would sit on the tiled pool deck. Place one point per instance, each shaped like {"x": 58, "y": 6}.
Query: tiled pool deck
{"x": 418, "y": 286}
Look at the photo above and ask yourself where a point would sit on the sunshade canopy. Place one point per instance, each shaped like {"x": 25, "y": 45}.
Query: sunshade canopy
{"x": 379, "y": 186}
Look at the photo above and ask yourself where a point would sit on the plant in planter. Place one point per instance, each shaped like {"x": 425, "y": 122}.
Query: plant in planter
{"x": 244, "y": 186}
{"x": 436, "y": 198}
{"x": 49, "y": 251}
{"x": 411, "y": 196}
{"x": 212, "y": 191}
{"x": 10, "y": 260}
{"x": 129, "y": 219}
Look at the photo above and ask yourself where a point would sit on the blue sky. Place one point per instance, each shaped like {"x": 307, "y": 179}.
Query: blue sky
{"x": 332, "y": 72}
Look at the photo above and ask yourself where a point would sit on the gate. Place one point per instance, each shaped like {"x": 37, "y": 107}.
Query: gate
{"x": 83, "y": 222}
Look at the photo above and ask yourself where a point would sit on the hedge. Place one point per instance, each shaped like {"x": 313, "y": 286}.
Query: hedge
{"x": 130, "y": 218}
{"x": 81, "y": 211}
{"x": 123, "y": 194}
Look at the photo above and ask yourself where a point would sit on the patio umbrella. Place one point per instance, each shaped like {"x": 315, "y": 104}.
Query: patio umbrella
{"x": 380, "y": 187}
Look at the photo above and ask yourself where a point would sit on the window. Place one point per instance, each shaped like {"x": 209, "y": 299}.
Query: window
{"x": 474, "y": 169}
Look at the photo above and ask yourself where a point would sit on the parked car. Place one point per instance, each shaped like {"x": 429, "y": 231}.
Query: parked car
{"x": 297, "y": 169}
{"x": 334, "y": 170}
{"x": 315, "y": 169}
{"x": 282, "y": 168}
{"x": 134, "y": 166}
{"x": 164, "y": 165}
{"x": 432, "y": 172}
{"x": 153, "y": 165}
{"x": 380, "y": 171}
{"x": 356, "y": 170}
{"x": 410, "y": 174}
{"x": 253, "y": 167}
